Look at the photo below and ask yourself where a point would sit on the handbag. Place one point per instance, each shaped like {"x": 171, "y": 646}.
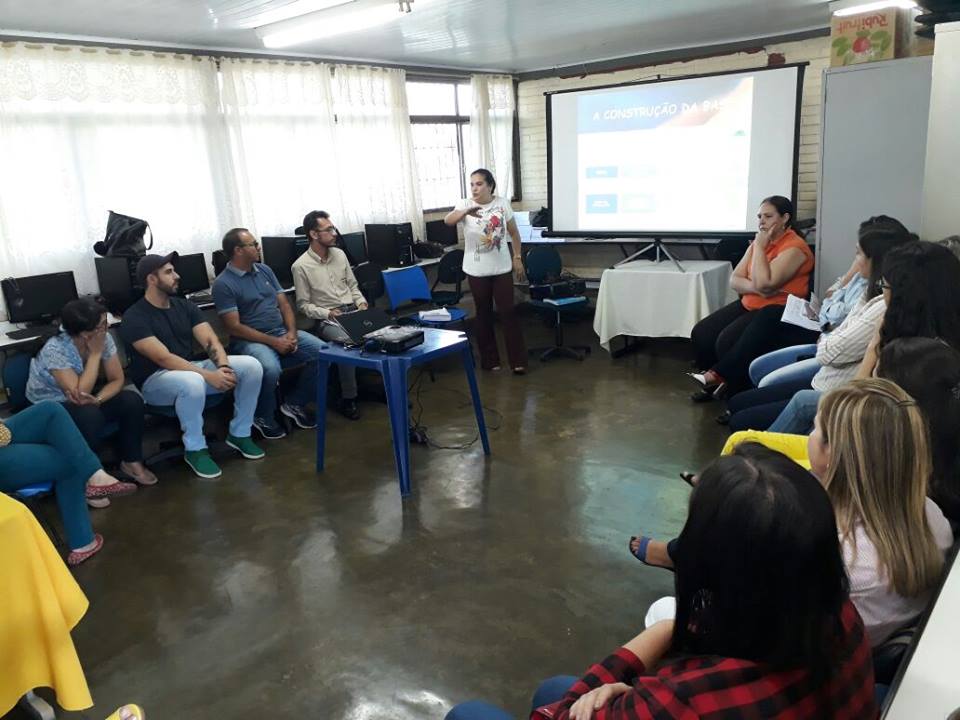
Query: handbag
{"x": 5, "y": 435}
{"x": 124, "y": 237}
{"x": 541, "y": 218}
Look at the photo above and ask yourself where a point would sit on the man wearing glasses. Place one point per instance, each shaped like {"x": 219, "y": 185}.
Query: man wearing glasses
{"x": 326, "y": 287}
{"x": 262, "y": 323}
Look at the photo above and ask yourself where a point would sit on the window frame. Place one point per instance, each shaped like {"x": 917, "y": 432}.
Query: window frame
{"x": 458, "y": 119}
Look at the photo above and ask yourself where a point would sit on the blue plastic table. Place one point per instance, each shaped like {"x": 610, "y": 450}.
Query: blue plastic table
{"x": 393, "y": 368}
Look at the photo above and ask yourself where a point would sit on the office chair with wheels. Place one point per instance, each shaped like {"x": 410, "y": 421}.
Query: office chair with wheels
{"x": 543, "y": 265}
{"x": 449, "y": 272}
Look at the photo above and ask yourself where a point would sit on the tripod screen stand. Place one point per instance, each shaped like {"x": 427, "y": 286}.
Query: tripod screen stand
{"x": 659, "y": 248}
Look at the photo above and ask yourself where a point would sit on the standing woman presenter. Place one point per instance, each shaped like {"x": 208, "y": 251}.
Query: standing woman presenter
{"x": 491, "y": 268}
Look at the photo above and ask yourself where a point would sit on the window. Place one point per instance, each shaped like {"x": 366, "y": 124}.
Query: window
{"x": 439, "y": 110}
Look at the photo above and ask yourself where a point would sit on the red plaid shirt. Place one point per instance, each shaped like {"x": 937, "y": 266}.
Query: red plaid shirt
{"x": 722, "y": 688}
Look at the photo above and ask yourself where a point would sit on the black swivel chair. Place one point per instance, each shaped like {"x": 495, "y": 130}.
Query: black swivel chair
{"x": 543, "y": 265}
{"x": 370, "y": 279}
{"x": 449, "y": 272}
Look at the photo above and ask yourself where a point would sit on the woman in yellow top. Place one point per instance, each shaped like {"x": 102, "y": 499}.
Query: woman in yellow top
{"x": 777, "y": 265}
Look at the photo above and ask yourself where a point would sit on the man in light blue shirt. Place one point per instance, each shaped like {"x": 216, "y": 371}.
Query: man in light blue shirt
{"x": 262, "y": 323}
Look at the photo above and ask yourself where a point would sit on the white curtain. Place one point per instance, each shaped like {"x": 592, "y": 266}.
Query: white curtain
{"x": 374, "y": 148}
{"x": 88, "y": 130}
{"x": 491, "y": 129}
{"x": 281, "y": 124}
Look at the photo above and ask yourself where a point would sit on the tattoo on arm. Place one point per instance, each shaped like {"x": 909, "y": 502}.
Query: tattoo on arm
{"x": 213, "y": 352}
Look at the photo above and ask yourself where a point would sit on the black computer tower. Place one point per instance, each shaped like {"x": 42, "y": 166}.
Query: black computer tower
{"x": 390, "y": 244}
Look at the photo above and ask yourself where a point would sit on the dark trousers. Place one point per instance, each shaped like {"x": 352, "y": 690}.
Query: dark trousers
{"x": 485, "y": 291}
{"x": 728, "y": 321}
{"x": 740, "y": 337}
{"x": 126, "y": 409}
{"x": 756, "y": 409}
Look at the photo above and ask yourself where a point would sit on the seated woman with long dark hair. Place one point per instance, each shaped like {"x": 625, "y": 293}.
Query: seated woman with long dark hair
{"x": 920, "y": 281}
{"x": 764, "y": 625}
{"x": 928, "y": 369}
{"x": 870, "y": 450}
{"x": 839, "y": 352}
{"x": 777, "y": 265}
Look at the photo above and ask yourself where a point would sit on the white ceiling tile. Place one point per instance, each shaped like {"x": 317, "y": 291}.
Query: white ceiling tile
{"x": 506, "y": 35}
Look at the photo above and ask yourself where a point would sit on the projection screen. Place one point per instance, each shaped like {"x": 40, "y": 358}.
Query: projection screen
{"x": 681, "y": 157}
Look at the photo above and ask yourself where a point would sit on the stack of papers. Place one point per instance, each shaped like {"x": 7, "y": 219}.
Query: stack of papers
{"x": 438, "y": 315}
{"x": 800, "y": 313}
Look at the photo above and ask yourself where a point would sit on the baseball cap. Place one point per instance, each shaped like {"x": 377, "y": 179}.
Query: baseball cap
{"x": 151, "y": 263}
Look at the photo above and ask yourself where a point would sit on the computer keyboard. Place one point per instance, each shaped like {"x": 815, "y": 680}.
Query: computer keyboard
{"x": 201, "y": 298}
{"x": 42, "y": 331}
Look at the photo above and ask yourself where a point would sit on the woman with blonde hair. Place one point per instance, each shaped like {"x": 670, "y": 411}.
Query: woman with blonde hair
{"x": 870, "y": 450}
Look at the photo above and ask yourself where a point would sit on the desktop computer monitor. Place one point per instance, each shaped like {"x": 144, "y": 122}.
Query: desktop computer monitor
{"x": 115, "y": 276}
{"x": 279, "y": 253}
{"x": 354, "y": 245}
{"x": 38, "y": 298}
{"x": 192, "y": 270}
{"x": 439, "y": 232}
{"x": 390, "y": 245}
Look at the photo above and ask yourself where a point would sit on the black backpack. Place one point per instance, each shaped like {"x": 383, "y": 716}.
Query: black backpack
{"x": 124, "y": 237}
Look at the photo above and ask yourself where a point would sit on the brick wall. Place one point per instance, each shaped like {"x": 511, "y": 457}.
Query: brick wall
{"x": 531, "y": 110}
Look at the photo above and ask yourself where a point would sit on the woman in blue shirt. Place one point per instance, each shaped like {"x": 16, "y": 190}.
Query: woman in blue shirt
{"x": 67, "y": 370}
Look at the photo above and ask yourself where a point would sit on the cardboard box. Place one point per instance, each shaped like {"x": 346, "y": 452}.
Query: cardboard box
{"x": 867, "y": 37}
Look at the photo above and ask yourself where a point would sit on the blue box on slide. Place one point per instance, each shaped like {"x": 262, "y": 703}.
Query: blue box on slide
{"x": 601, "y": 204}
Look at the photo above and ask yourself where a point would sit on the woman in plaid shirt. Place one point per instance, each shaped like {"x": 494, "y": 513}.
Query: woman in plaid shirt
{"x": 764, "y": 625}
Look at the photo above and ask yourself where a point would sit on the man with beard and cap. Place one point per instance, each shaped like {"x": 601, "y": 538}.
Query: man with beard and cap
{"x": 160, "y": 330}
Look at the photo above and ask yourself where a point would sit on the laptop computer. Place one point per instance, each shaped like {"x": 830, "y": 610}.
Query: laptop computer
{"x": 362, "y": 322}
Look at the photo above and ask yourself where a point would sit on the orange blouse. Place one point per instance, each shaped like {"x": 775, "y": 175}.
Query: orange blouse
{"x": 798, "y": 285}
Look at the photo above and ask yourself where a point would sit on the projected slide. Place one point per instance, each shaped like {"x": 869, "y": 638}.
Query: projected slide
{"x": 630, "y": 157}
{"x": 676, "y": 156}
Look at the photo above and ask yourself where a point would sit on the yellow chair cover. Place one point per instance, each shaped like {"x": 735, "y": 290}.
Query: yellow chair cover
{"x": 793, "y": 446}
{"x": 40, "y": 603}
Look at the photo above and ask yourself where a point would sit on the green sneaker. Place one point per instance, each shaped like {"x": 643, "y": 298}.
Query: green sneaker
{"x": 202, "y": 464}
{"x": 246, "y": 447}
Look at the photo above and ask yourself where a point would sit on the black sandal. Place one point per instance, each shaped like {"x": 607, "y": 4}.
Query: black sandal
{"x": 688, "y": 478}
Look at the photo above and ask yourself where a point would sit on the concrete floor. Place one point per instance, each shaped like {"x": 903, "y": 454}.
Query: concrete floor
{"x": 277, "y": 593}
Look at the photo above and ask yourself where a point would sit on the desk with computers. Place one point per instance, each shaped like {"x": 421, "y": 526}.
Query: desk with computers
{"x": 34, "y": 302}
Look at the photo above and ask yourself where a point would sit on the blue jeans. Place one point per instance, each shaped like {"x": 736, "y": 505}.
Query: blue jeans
{"x": 47, "y": 446}
{"x": 777, "y": 359}
{"x": 307, "y": 352}
{"x": 797, "y": 417}
{"x": 187, "y": 391}
{"x": 550, "y": 691}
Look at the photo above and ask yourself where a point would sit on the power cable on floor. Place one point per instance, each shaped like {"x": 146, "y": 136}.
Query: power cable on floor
{"x": 416, "y": 426}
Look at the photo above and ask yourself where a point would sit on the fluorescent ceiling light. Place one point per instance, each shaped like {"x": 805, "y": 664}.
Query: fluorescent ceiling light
{"x": 293, "y": 9}
{"x": 350, "y": 16}
{"x": 871, "y": 6}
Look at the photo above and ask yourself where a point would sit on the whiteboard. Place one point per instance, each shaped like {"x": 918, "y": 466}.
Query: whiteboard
{"x": 872, "y": 153}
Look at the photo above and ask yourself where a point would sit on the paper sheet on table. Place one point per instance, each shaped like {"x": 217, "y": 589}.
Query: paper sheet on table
{"x": 800, "y": 313}
{"x": 441, "y": 314}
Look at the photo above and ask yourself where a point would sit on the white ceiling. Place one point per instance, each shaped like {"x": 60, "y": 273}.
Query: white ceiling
{"x": 504, "y": 35}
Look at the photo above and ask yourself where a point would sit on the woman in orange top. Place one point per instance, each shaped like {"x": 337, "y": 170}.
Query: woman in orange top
{"x": 778, "y": 264}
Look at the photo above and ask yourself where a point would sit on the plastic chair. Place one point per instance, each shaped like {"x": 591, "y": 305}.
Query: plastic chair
{"x": 543, "y": 265}
{"x": 370, "y": 279}
{"x": 31, "y": 496}
{"x": 449, "y": 272}
{"x": 406, "y": 285}
{"x": 16, "y": 372}
{"x": 410, "y": 285}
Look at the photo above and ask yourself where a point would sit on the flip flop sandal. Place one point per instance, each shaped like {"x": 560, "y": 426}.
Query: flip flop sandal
{"x": 641, "y": 553}
{"x": 688, "y": 477}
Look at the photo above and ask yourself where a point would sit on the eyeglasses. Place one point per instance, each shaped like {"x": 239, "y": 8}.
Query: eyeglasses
{"x": 254, "y": 244}
{"x": 329, "y": 229}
